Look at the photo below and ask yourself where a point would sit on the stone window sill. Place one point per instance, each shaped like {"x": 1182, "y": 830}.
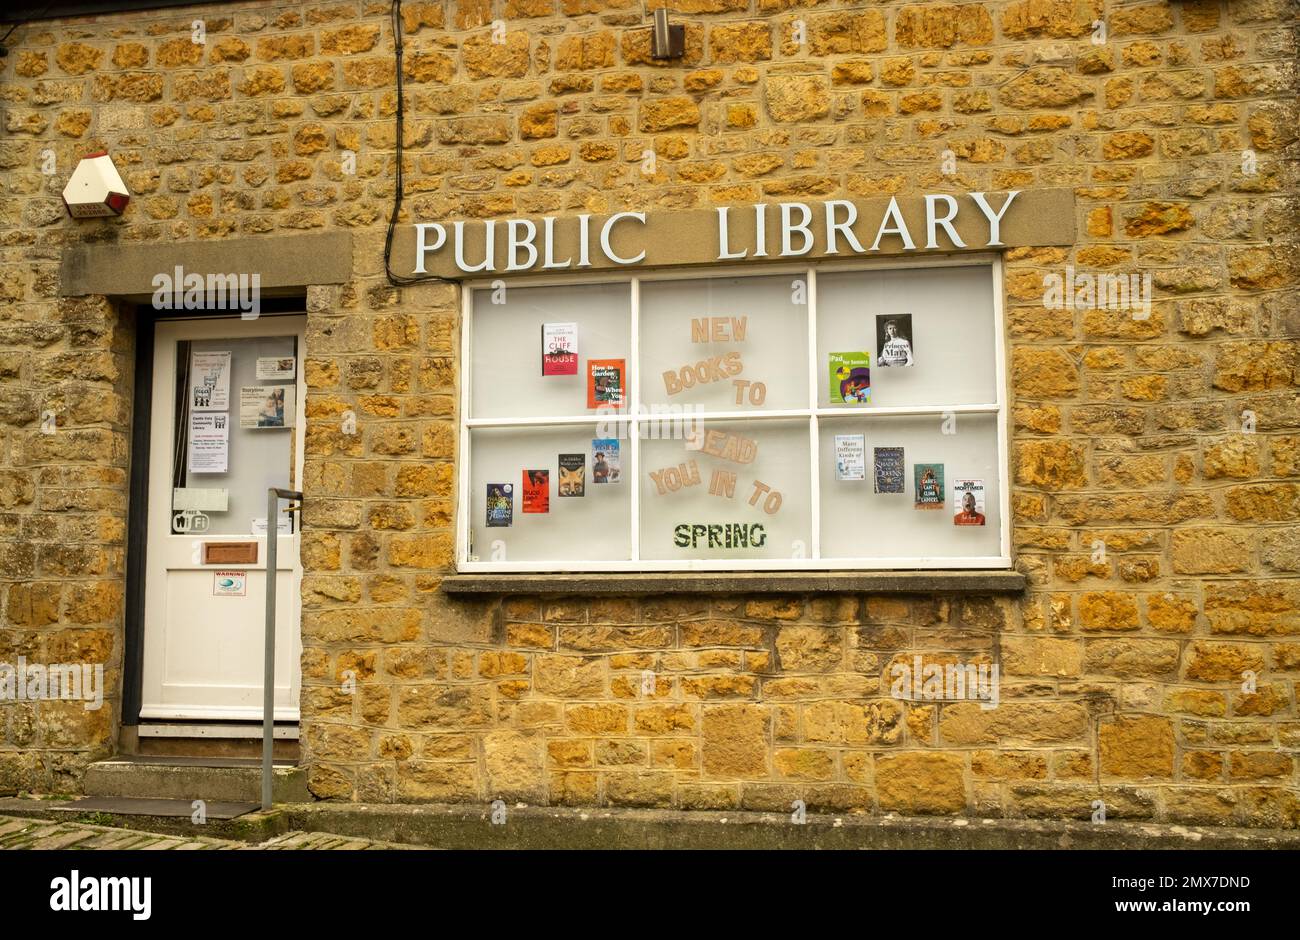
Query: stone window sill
{"x": 778, "y": 582}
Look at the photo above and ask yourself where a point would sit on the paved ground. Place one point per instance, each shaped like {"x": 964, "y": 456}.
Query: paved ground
{"x": 16, "y": 833}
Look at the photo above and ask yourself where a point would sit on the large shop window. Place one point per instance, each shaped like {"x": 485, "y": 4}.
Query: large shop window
{"x": 809, "y": 418}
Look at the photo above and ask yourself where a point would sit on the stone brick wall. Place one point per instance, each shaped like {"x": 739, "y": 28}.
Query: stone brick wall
{"x": 1122, "y": 670}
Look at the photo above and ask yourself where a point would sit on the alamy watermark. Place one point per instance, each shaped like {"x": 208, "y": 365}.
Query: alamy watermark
{"x": 954, "y": 682}
{"x": 178, "y": 290}
{"x": 1082, "y": 290}
{"x": 38, "y": 682}
{"x": 656, "y": 422}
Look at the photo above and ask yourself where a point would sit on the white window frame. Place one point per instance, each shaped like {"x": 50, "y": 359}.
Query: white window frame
{"x": 812, "y": 413}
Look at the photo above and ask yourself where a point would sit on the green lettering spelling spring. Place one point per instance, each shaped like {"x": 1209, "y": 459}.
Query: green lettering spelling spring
{"x": 720, "y": 535}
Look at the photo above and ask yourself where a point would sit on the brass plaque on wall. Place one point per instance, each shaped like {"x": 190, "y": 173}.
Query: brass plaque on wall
{"x": 230, "y": 553}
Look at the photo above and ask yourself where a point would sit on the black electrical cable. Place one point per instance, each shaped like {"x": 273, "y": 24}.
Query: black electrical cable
{"x": 400, "y": 280}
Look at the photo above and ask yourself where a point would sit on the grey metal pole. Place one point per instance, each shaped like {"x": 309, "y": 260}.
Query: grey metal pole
{"x": 268, "y": 666}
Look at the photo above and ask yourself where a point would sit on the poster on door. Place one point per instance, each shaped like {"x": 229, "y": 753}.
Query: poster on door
{"x": 210, "y": 381}
{"x": 209, "y": 450}
{"x": 266, "y": 406}
{"x": 275, "y": 369}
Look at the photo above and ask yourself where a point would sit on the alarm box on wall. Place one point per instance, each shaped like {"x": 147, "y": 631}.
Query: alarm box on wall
{"x": 95, "y": 189}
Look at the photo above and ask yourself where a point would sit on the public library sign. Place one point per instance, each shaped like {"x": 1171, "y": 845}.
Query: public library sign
{"x": 836, "y": 228}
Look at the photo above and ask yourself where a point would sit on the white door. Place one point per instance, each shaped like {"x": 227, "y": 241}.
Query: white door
{"x": 226, "y": 425}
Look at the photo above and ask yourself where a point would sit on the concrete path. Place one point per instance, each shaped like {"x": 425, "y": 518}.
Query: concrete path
{"x": 17, "y": 833}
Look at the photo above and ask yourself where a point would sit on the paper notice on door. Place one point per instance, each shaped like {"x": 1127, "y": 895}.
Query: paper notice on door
{"x": 200, "y": 499}
{"x": 266, "y": 406}
{"x": 283, "y": 526}
{"x": 209, "y": 443}
{"x": 210, "y": 381}
{"x": 229, "y": 583}
{"x": 271, "y": 369}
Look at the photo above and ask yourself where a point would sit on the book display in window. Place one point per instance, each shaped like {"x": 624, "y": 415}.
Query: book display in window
{"x": 606, "y": 466}
{"x": 573, "y": 473}
{"x": 500, "y": 505}
{"x": 891, "y": 471}
{"x": 606, "y": 383}
{"x": 850, "y": 378}
{"x": 929, "y": 485}
{"x": 537, "y": 491}
{"x": 968, "y": 497}
{"x": 894, "y": 340}
{"x": 559, "y": 349}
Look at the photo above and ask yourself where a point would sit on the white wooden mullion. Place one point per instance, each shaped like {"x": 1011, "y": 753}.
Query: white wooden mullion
{"x": 814, "y": 432}
{"x": 1004, "y": 458}
{"x": 633, "y": 478}
{"x": 466, "y": 373}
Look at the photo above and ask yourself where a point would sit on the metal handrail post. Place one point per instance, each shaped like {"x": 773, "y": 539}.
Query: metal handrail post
{"x": 273, "y": 497}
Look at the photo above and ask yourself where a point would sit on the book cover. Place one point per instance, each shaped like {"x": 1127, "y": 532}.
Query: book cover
{"x": 968, "y": 497}
{"x": 537, "y": 491}
{"x": 850, "y": 378}
{"x": 891, "y": 471}
{"x": 894, "y": 345}
{"x": 929, "y": 485}
{"x": 500, "y": 504}
{"x": 605, "y": 466}
{"x": 606, "y": 382}
{"x": 850, "y": 457}
{"x": 559, "y": 349}
{"x": 573, "y": 473}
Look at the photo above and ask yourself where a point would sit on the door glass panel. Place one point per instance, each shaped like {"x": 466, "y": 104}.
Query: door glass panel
{"x": 235, "y": 433}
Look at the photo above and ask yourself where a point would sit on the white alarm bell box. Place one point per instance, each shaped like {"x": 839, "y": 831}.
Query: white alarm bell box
{"x": 95, "y": 189}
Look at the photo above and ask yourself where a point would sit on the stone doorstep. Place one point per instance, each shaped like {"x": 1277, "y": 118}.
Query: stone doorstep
{"x": 233, "y": 782}
{"x": 463, "y": 826}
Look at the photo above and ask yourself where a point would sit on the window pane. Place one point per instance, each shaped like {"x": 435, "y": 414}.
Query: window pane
{"x": 507, "y": 346}
{"x": 704, "y": 341}
{"x": 942, "y": 321}
{"x": 236, "y": 432}
{"x": 593, "y": 526}
{"x": 858, "y": 522}
{"x": 682, "y": 519}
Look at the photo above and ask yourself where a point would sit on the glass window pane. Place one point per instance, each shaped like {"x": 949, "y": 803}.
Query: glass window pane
{"x": 507, "y": 346}
{"x": 706, "y": 342}
{"x": 942, "y": 323}
{"x": 224, "y": 440}
{"x": 744, "y": 494}
{"x": 583, "y": 519}
{"x": 858, "y": 522}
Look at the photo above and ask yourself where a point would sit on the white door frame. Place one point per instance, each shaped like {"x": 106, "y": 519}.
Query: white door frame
{"x": 169, "y": 551}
